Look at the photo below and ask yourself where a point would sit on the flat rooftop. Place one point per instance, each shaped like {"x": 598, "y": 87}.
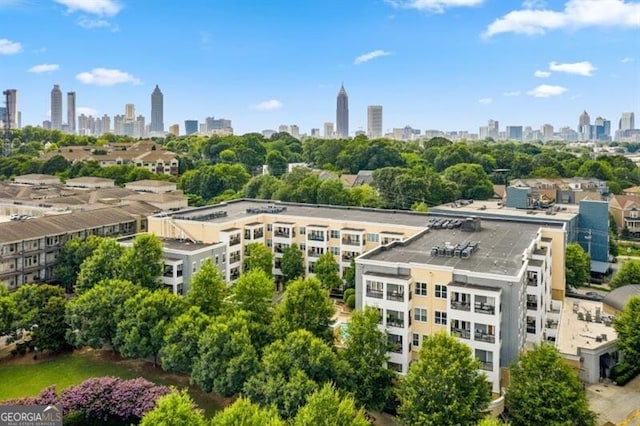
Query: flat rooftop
{"x": 574, "y": 333}
{"x": 172, "y": 244}
{"x": 495, "y": 208}
{"x": 500, "y": 248}
{"x": 237, "y": 209}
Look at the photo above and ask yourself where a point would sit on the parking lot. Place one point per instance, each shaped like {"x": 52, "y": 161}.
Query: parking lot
{"x": 616, "y": 404}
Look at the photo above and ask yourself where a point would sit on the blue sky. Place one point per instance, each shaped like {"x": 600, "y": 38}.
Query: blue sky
{"x": 432, "y": 64}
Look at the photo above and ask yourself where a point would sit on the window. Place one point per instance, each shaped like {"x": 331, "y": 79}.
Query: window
{"x": 334, "y": 250}
{"x": 303, "y": 230}
{"x": 441, "y": 291}
{"x": 269, "y": 243}
{"x": 303, "y": 246}
{"x": 421, "y": 289}
{"x": 420, "y": 314}
{"x": 193, "y": 267}
{"x": 373, "y": 238}
{"x": 441, "y": 318}
{"x": 269, "y": 227}
{"x": 334, "y": 234}
{"x": 415, "y": 340}
{"x": 217, "y": 259}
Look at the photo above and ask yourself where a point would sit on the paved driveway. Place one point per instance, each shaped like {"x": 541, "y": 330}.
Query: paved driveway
{"x": 616, "y": 404}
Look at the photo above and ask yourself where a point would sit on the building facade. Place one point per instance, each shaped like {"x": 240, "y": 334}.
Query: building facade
{"x": 342, "y": 114}
{"x": 374, "y": 121}
{"x": 71, "y": 112}
{"x": 157, "y": 111}
{"x": 56, "y": 108}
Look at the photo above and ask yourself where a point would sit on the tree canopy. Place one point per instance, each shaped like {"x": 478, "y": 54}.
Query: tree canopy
{"x": 207, "y": 289}
{"x": 545, "y": 390}
{"x": 629, "y": 273}
{"x": 327, "y": 270}
{"x": 444, "y": 386}
{"x": 577, "y": 265}
{"x": 258, "y": 256}
{"x": 329, "y": 407}
{"x": 174, "y": 409}
{"x": 292, "y": 264}
{"x": 627, "y": 325}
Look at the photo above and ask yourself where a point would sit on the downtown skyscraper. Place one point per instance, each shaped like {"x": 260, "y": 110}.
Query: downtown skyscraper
{"x": 342, "y": 114}
{"x": 157, "y": 111}
{"x": 374, "y": 121}
{"x": 56, "y": 108}
{"x": 71, "y": 112}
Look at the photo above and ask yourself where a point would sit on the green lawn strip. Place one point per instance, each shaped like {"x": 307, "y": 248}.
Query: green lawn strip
{"x": 18, "y": 381}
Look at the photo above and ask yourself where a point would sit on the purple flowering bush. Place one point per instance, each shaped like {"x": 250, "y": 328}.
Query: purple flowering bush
{"x": 102, "y": 400}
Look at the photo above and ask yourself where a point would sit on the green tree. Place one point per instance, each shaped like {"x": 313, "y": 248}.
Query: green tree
{"x": 365, "y": 351}
{"x": 292, "y": 265}
{"x": 329, "y": 407}
{"x": 226, "y": 357}
{"x": 207, "y": 289}
{"x": 142, "y": 263}
{"x": 350, "y": 274}
{"x": 103, "y": 264}
{"x": 545, "y": 390}
{"x": 55, "y": 164}
{"x": 627, "y": 325}
{"x": 93, "y": 316}
{"x": 629, "y": 273}
{"x": 258, "y": 256}
{"x": 68, "y": 262}
{"x": 49, "y": 328}
{"x": 444, "y": 386}
{"x": 327, "y": 270}
{"x": 145, "y": 318}
{"x": 30, "y": 299}
{"x": 254, "y": 293}
{"x": 333, "y": 192}
{"x": 245, "y": 413}
{"x": 290, "y": 370}
{"x": 174, "y": 409}
{"x": 181, "y": 341}
{"x": 305, "y": 306}
{"x": 366, "y": 196}
{"x": 277, "y": 163}
{"x": 577, "y": 265}
{"x": 8, "y": 311}
{"x": 471, "y": 179}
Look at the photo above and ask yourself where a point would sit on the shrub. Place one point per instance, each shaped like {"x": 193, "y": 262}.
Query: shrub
{"x": 623, "y": 373}
{"x": 351, "y": 301}
{"x": 348, "y": 292}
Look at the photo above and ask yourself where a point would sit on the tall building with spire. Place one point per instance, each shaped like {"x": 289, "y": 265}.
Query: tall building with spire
{"x": 342, "y": 114}
{"x": 157, "y": 111}
{"x": 71, "y": 112}
{"x": 56, "y": 108}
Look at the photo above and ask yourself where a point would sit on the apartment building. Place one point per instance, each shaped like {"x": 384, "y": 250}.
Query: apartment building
{"x": 625, "y": 210}
{"x": 346, "y": 232}
{"x": 28, "y": 248}
{"x": 182, "y": 259}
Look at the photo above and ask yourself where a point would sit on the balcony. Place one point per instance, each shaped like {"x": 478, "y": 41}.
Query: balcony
{"x": 316, "y": 237}
{"x": 376, "y": 294}
{"x": 258, "y": 233}
{"x": 532, "y": 306}
{"x": 484, "y": 337}
{"x": 351, "y": 242}
{"x": 234, "y": 241}
{"x": 395, "y": 322}
{"x": 283, "y": 233}
{"x": 486, "y": 365}
{"x": 397, "y": 296}
{"x": 461, "y": 306}
{"x": 484, "y": 308}
{"x": 314, "y": 253}
{"x": 532, "y": 282}
{"x": 346, "y": 257}
{"x": 461, "y": 333}
{"x": 279, "y": 248}
{"x": 531, "y": 330}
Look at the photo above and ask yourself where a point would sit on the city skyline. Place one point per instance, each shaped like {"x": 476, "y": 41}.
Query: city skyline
{"x": 431, "y": 64}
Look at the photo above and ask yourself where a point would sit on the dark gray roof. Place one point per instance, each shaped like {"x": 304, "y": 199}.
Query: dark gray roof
{"x": 61, "y": 224}
{"x": 501, "y": 245}
{"x": 618, "y": 298}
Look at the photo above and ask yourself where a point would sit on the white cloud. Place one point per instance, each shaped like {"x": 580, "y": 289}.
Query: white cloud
{"x": 541, "y": 74}
{"x": 89, "y": 23}
{"x": 269, "y": 105}
{"x": 8, "y": 47}
{"x": 576, "y": 14}
{"x": 626, "y": 60}
{"x": 106, "y": 77}
{"x": 369, "y": 56}
{"x": 37, "y": 69}
{"x": 87, "y": 111}
{"x": 93, "y": 7}
{"x": 434, "y": 6}
{"x": 546, "y": 91}
{"x": 512, "y": 93}
{"x": 533, "y": 4}
{"x": 485, "y": 101}
{"x": 580, "y": 68}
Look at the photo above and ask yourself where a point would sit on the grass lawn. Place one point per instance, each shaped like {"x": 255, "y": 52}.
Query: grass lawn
{"x": 19, "y": 379}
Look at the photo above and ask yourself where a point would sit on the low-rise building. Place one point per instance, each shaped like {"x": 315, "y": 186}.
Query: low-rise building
{"x": 625, "y": 210}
